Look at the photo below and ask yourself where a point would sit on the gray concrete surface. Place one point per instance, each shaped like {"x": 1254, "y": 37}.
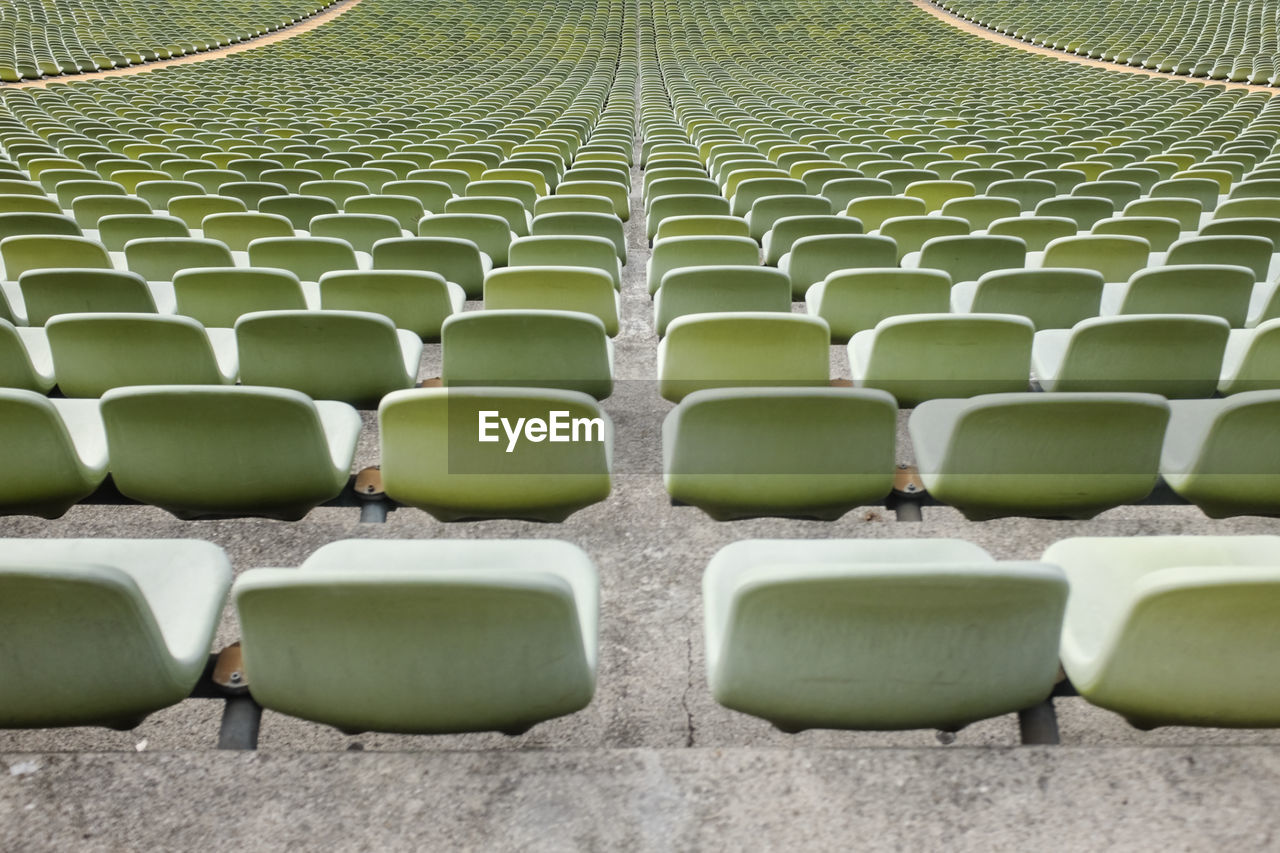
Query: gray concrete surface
{"x": 648, "y": 800}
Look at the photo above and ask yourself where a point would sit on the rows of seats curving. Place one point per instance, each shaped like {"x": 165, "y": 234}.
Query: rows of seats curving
{"x": 76, "y": 36}
{"x": 1233, "y": 40}
{"x": 218, "y": 280}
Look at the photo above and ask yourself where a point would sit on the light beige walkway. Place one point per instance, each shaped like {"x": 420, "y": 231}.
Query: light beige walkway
{"x": 305, "y": 25}
{"x": 991, "y": 35}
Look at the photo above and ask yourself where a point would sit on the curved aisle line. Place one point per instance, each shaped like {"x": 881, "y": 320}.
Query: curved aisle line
{"x": 341, "y": 7}
{"x": 991, "y": 35}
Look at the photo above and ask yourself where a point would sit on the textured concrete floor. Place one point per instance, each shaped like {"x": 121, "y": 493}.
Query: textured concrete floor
{"x": 653, "y": 762}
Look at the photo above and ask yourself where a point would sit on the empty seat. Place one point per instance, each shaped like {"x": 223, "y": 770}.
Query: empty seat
{"x": 25, "y": 361}
{"x": 528, "y": 348}
{"x": 1115, "y": 257}
{"x": 308, "y": 258}
{"x": 567, "y": 251}
{"x": 785, "y": 231}
{"x": 22, "y": 224}
{"x": 812, "y": 259}
{"x": 217, "y": 296}
{"x": 491, "y": 234}
{"x": 1036, "y": 231}
{"x": 535, "y": 453}
{"x": 1217, "y": 289}
{"x": 968, "y": 257}
{"x": 853, "y": 300}
{"x": 1084, "y": 211}
{"x": 48, "y": 292}
{"x": 215, "y": 451}
{"x": 1252, "y": 252}
{"x": 981, "y": 211}
{"x": 742, "y": 349}
{"x": 1050, "y": 298}
{"x": 468, "y": 635}
{"x": 556, "y": 288}
{"x": 797, "y": 452}
{"x": 683, "y": 205}
{"x": 412, "y": 300}
{"x": 23, "y": 254}
{"x": 352, "y": 356}
{"x": 104, "y": 632}
{"x": 1221, "y": 454}
{"x": 863, "y": 634}
{"x": 1173, "y": 630}
{"x": 360, "y": 230}
{"x": 298, "y": 209}
{"x": 193, "y": 209}
{"x": 703, "y": 226}
{"x": 673, "y": 253}
{"x": 873, "y": 210}
{"x": 912, "y": 232}
{"x": 54, "y": 453}
{"x": 1039, "y": 455}
{"x": 238, "y": 230}
{"x": 114, "y": 231}
{"x": 1252, "y": 359}
{"x": 93, "y": 353}
{"x": 1159, "y": 232}
{"x": 918, "y": 357}
{"x": 161, "y": 258}
{"x": 707, "y": 289}
{"x": 458, "y": 261}
{"x": 1176, "y": 355}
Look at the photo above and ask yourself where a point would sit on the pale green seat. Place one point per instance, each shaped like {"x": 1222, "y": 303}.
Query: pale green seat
{"x": 1221, "y": 290}
{"x": 48, "y": 292}
{"x": 785, "y": 231}
{"x": 709, "y": 289}
{"x": 352, "y": 356}
{"x": 54, "y": 453}
{"x": 981, "y": 211}
{"x": 227, "y": 451}
{"x": 793, "y": 452}
{"x": 1116, "y": 257}
{"x": 1028, "y": 192}
{"x": 252, "y": 192}
{"x": 673, "y": 253}
{"x": 238, "y": 230}
{"x": 968, "y": 257}
{"x": 298, "y": 209}
{"x": 568, "y": 251}
{"x": 433, "y": 458}
{"x": 1246, "y": 207}
{"x": 1252, "y": 252}
{"x": 360, "y": 230}
{"x": 936, "y": 193}
{"x": 873, "y": 210}
{"x": 337, "y": 191}
{"x": 25, "y": 253}
{"x": 467, "y": 635}
{"x": 528, "y": 348}
{"x": 518, "y": 218}
{"x": 1068, "y": 455}
{"x": 617, "y": 193}
{"x": 603, "y": 225}
{"x": 1221, "y": 455}
{"x": 918, "y": 357}
{"x": 1036, "y": 231}
{"x": 16, "y": 203}
{"x": 115, "y": 230}
{"x": 683, "y": 204}
{"x": 1051, "y": 298}
{"x": 491, "y": 234}
{"x": 93, "y": 353}
{"x": 842, "y": 192}
{"x": 912, "y": 232}
{"x": 456, "y": 260}
{"x": 308, "y": 258}
{"x": 1176, "y": 355}
{"x": 1254, "y": 226}
{"x": 854, "y": 300}
{"x": 162, "y": 258}
{"x": 218, "y": 296}
{"x": 1119, "y": 193}
{"x": 1083, "y": 210}
{"x": 433, "y": 194}
{"x": 1186, "y": 211}
{"x": 572, "y": 204}
{"x": 1174, "y": 630}
{"x": 744, "y": 194}
{"x": 582, "y": 289}
{"x": 1252, "y": 359}
{"x": 736, "y": 349}
{"x": 25, "y": 361}
{"x": 812, "y": 259}
{"x": 1159, "y": 232}
{"x": 413, "y": 300}
{"x": 193, "y": 209}
{"x": 767, "y": 210}
{"x": 104, "y": 632}
{"x": 879, "y": 634}
{"x": 703, "y": 226}
{"x": 25, "y": 224}
{"x": 405, "y": 209}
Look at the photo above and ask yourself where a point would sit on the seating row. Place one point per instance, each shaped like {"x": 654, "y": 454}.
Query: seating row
{"x": 441, "y": 636}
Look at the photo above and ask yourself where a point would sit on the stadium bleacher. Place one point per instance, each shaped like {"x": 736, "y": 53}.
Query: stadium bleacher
{"x": 753, "y": 379}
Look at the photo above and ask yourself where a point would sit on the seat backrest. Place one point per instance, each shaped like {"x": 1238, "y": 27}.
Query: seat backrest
{"x": 217, "y": 296}
{"x": 360, "y": 230}
{"x": 48, "y": 292}
{"x": 46, "y": 475}
{"x": 873, "y": 210}
{"x": 238, "y": 230}
{"x": 1116, "y": 257}
{"x": 22, "y": 254}
{"x": 93, "y": 353}
{"x": 115, "y": 230}
{"x": 1051, "y": 298}
{"x": 492, "y": 234}
{"x": 160, "y": 258}
{"x": 1252, "y": 252}
{"x": 1221, "y": 290}
{"x": 968, "y": 257}
{"x": 1177, "y": 355}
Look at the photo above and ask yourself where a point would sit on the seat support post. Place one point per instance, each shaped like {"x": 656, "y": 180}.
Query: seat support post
{"x": 1038, "y": 725}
